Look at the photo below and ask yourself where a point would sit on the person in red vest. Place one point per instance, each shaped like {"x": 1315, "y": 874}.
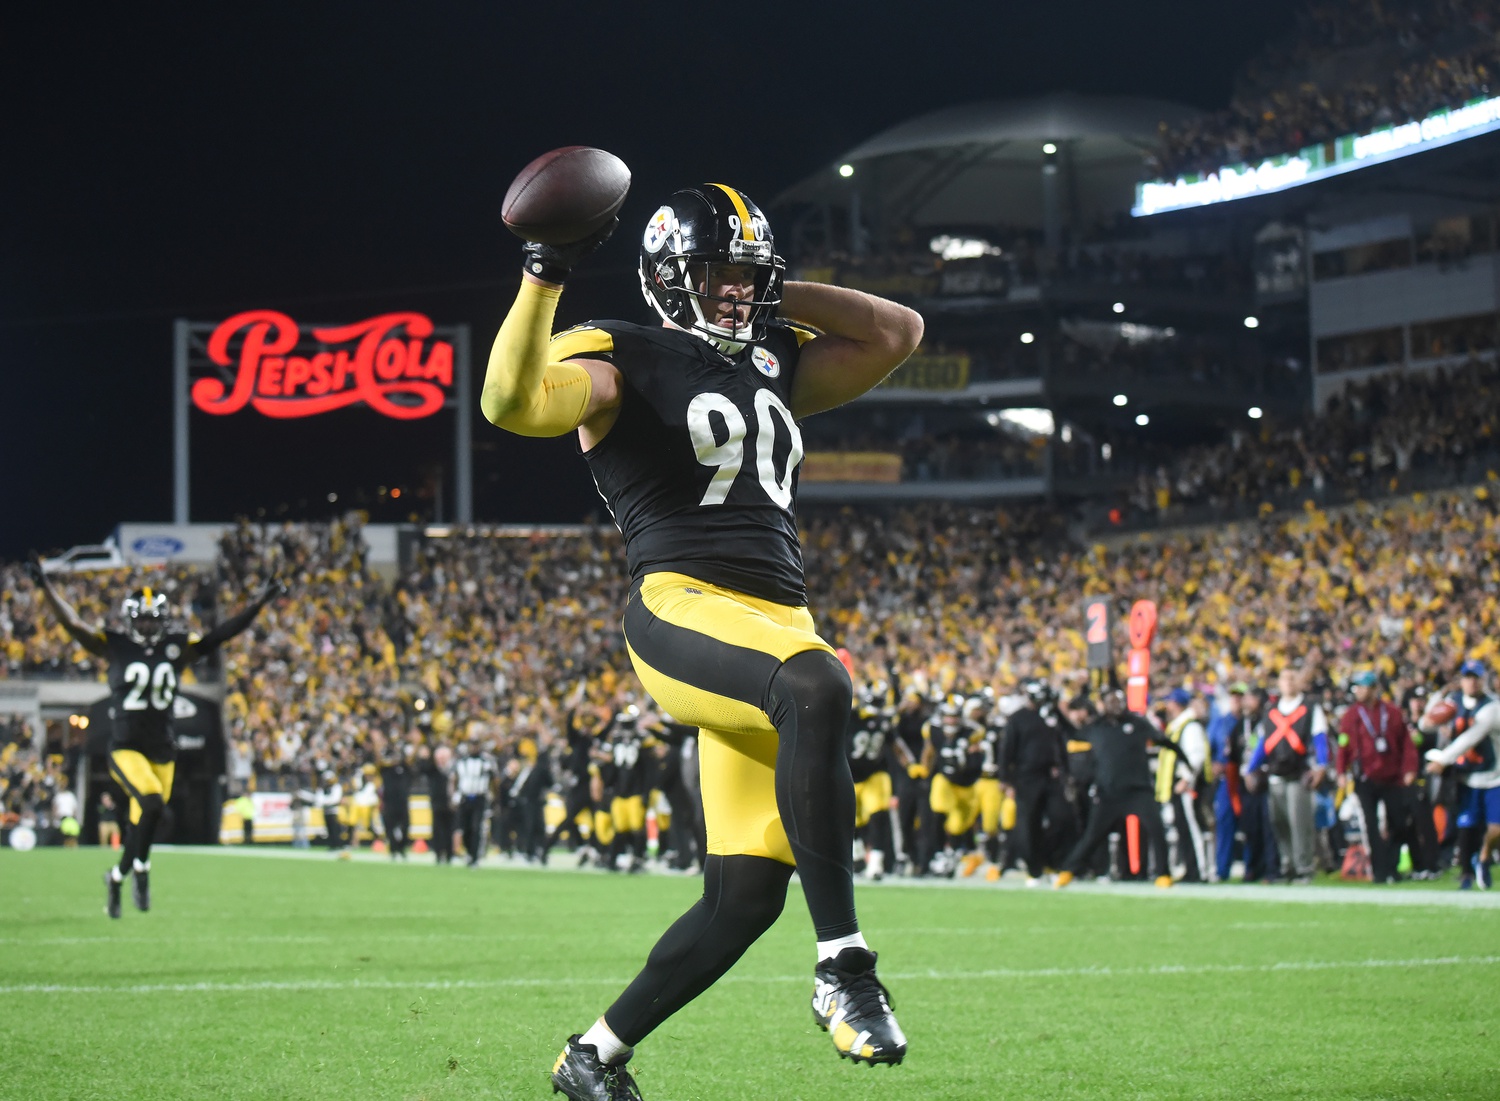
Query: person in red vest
{"x": 1376, "y": 750}
{"x": 1293, "y": 749}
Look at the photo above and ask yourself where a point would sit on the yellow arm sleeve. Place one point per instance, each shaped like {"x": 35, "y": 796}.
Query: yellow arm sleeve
{"x": 523, "y": 392}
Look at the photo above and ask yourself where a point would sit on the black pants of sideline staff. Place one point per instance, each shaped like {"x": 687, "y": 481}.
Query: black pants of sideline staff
{"x": 1108, "y": 815}
{"x": 1384, "y": 850}
{"x": 473, "y": 812}
{"x": 442, "y": 835}
{"x": 1045, "y": 823}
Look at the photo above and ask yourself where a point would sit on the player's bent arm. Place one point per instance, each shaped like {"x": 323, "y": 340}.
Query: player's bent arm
{"x": 864, "y": 339}
{"x": 234, "y": 625}
{"x": 526, "y": 394}
{"x": 91, "y": 638}
{"x": 1486, "y": 721}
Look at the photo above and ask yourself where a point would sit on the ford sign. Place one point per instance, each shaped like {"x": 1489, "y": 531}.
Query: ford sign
{"x": 157, "y": 546}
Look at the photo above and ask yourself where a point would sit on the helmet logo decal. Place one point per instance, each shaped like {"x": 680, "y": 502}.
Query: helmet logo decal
{"x": 765, "y": 363}
{"x": 662, "y": 225}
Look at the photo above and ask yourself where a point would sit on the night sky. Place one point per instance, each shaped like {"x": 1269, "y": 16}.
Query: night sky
{"x": 336, "y": 160}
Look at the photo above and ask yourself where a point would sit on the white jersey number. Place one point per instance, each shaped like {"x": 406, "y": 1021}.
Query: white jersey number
{"x": 150, "y": 689}
{"x": 728, "y": 457}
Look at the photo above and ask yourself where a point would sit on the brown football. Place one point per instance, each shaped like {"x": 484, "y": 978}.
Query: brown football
{"x": 566, "y": 195}
{"x": 1441, "y": 712}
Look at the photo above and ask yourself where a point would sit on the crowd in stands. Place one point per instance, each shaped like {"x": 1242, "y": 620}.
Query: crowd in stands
{"x": 1371, "y": 438}
{"x": 1353, "y": 66}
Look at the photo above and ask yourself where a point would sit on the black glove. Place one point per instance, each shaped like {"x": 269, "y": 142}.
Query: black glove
{"x": 274, "y": 588}
{"x": 34, "y": 569}
{"x": 553, "y": 262}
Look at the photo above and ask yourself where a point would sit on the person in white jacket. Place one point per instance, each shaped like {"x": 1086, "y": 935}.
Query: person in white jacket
{"x": 1475, "y": 751}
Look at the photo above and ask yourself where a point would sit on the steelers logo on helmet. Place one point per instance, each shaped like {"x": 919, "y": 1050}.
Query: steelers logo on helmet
{"x": 659, "y": 229}
{"x": 766, "y": 363}
{"x": 714, "y": 226}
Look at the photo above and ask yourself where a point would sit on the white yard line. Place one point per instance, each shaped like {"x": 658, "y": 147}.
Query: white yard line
{"x": 1105, "y": 972}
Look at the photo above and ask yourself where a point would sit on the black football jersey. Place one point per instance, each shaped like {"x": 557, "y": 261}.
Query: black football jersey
{"x": 626, "y": 771}
{"x": 961, "y": 755}
{"x": 143, "y": 689}
{"x": 700, "y": 468}
{"x": 869, "y": 736}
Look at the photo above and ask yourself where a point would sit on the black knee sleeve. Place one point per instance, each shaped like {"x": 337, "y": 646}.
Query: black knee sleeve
{"x": 809, "y": 701}
{"x": 742, "y": 898}
{"x": 151, "y": 806}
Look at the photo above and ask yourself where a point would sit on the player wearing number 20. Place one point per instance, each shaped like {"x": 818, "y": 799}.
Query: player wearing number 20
{"x": 690, "y": 428}
{"x": 146, "y": 661}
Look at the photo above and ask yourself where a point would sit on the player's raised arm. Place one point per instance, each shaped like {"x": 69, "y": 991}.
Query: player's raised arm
{"x": 864, "y": 339}
{"x": 199, "y": 647}
{"x": 90, "y": 637}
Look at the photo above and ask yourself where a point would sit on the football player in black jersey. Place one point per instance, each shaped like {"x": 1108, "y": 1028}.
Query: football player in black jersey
{"x": 627, "y": 752}
{"x": 954, "y": 754}
{"x": 690, "y": 428}
{"x": 870, "y": 728}
{"x": 146, "y": 661}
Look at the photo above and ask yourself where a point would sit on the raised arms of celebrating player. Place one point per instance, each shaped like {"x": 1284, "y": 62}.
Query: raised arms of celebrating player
{"x": 863, "y": 339}
{"x": 91, "y": 638}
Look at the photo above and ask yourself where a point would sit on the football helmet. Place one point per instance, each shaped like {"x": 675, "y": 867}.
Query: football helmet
{"x": 145, "y": 613}
{"x": 698, "y": 227}
{"x": 1039, "y": 692}
{"x": 951, "y": 713}
{"x": 628, "y": 717}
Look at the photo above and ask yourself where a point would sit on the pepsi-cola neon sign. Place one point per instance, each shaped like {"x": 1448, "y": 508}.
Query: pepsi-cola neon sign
{"x": 389, "y": 363}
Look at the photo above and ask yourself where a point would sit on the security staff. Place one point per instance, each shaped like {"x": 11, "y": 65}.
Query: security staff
{"x": 1125, "y": 796}
{"x": 1376, "y": 752}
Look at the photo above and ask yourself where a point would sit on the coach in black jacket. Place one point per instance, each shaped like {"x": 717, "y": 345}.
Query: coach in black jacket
{"x": 1124, "y": 789}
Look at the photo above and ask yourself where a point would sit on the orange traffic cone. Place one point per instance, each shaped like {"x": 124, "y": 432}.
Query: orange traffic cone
{"x": 419, "y": 846}
{"x": 114, "y": 841}
{"x": 378, "y": 846}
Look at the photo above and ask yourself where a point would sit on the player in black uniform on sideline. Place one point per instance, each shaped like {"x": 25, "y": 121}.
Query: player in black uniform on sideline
{"x": 627, "y": 753}
{"x": 690, "y": 430}
{"x": 146, "y": 661}
{"x": 870, "y": 728}
{"x": 954, "y": 755}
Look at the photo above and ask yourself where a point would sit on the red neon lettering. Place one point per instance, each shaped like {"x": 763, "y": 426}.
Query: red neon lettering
{"x": 381, "y": 358}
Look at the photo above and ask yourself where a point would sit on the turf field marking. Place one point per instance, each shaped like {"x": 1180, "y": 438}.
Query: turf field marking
{"x": 1106, "y": 972}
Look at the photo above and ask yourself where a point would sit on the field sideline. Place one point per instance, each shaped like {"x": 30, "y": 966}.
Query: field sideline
{"x": 308, "y": 979}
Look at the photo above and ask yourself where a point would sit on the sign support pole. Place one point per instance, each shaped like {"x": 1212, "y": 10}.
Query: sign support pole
{"x": 180, "y": 421}
{"x": 463, "y": 443}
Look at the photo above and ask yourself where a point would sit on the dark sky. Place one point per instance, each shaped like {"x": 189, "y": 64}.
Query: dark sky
{"x": 334, "y": 160}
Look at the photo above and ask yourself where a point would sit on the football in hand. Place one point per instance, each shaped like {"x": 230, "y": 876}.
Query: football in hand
{"x": 1441, "y": 712}
{"x": 566, "y": 195}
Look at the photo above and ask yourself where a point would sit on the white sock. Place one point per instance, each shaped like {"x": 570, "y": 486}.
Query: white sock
{"x": 114, "y": 873}
{"x": 609, "y": 1045}
{"x": 140, "y": 867}
{"x": 829, "y": 949}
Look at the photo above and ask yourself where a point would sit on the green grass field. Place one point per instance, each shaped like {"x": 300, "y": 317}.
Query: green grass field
{"x": 297, "y": 979}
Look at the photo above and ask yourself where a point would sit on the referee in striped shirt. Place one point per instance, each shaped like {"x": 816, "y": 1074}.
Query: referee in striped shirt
{"x": 474, "y": 773}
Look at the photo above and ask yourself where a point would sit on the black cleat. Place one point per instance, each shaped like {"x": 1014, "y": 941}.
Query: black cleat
{"x": 112, "y": 899}
{"x": 580, "y": 1075}
{"x": 140, "y": 890}
{"x": 853, "y": 1007}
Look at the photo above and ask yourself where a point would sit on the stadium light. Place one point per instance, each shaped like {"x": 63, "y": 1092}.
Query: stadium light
{"x": 1252, "y": 322}
{"x": 333, "y": 498}
{"x": 395, "y": 492}
{"x": 1067, "y": 433}
{"x": 1121, "y": 400}
{"x": 1118, "y": 307}
{"x": 1027, "y": 338}
{"x": 1256, "y": 413}
{"x": 846, "y": 170}
{"x": 1049, "y": 149}
{"x": 1142, "y": 420}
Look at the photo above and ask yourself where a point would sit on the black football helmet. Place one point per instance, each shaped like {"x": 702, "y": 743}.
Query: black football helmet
{"x": 1038, "y": 692}
{"x": 711, "y": 224}
{"x": 145, "y": 612}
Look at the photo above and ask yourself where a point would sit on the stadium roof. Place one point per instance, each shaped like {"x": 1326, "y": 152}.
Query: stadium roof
{"x": 980, "y": 163}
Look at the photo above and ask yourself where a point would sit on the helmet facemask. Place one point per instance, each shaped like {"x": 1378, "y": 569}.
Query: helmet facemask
{"x": 145, "y": 615}
{"x": 685, "y": 240}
